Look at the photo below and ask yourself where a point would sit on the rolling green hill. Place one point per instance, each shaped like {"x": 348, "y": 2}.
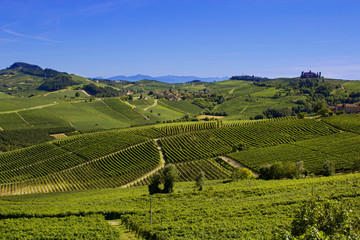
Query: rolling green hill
{"x": 223, "y": 210}
{"x": 109, "y": 147}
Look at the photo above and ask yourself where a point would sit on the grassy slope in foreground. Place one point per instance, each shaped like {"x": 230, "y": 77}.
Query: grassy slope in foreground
{"x": 237, "y": 210}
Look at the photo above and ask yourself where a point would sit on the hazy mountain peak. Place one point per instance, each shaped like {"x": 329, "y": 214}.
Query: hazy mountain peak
{"x": 167, "y": 78}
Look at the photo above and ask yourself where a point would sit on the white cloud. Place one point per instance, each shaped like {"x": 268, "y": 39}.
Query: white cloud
{"x": 28, "y": 36}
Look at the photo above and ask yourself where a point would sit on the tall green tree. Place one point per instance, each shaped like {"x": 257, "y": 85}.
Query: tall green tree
{"x": 171, "y": 175}
{"x": 168, "y": 176}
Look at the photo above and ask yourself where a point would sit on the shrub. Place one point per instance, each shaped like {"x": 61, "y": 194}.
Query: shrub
{"x": 241, "y": 173}
{"x": 322, "y": 219}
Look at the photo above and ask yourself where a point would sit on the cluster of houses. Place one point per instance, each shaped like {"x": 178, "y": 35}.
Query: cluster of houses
{"x": 346, "y": 107}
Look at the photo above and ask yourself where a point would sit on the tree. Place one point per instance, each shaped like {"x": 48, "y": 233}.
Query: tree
{"x": 199, "y": 180}
{"x": 324, "y": 112}
{"x": 154, "y": 186}
{"x": 259, "y": 116}
{"x": 168, "y": 176}
{"x": 77, "y": 94}
{"x": 329, "y": 168}
{"x": 171, "y": 175}
{"x": 301, "y": 115}
{"x": 319, "y": 105}
{"x": 241, "y": 173}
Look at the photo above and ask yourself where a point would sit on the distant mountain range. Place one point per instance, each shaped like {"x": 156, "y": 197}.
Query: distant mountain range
{"x": 167, "y": 79}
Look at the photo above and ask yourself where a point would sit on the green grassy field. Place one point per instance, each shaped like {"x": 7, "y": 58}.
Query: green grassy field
{"x": 185, "y": 107}
{"x": 4, "y": 95}
{"x": 12, "y": 121}
{"x": 69, "y": 93}
{"x": 85, "y": 116}
{"x": 41, "y": 118}
{"x": 18, "y": 103}
{"x": 166, "y": 112}
{"x": 53, "y": 110}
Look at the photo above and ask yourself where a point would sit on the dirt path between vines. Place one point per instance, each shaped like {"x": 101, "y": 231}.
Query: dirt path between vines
{"x": 22, "y": 118}
{"x": 26, "y": 109}
{"x": 133, "y": 107}
{"x": 236, "y": 164}
{"x": 155, "y": 103}
{"x": 86, "y": 93}
{"x": 125, "y": 233}
{"x": 162, "y": 164}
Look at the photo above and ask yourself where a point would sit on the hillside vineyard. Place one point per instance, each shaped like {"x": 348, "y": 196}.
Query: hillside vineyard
{"x": 119, "y": 157}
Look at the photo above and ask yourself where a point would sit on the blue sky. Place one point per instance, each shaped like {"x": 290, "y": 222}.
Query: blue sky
{"x": 269, "y": 38}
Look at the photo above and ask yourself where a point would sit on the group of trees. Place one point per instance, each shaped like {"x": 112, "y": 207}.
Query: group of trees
{"x": 249, "y": 78}
{"x": 312, "y": 86}
{"x": 97, "y": 91}
{"x": 215, "y": 113}
{"x": 208, "y": 102}
{"x": 276, "y": 113}
{"x": 280, "y": 170}
{"x": 58, "y": 82}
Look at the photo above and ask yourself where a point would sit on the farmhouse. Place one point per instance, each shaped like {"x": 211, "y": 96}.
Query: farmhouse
{"x": 128, "y": 92}
{"x": 347, "y": 108}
